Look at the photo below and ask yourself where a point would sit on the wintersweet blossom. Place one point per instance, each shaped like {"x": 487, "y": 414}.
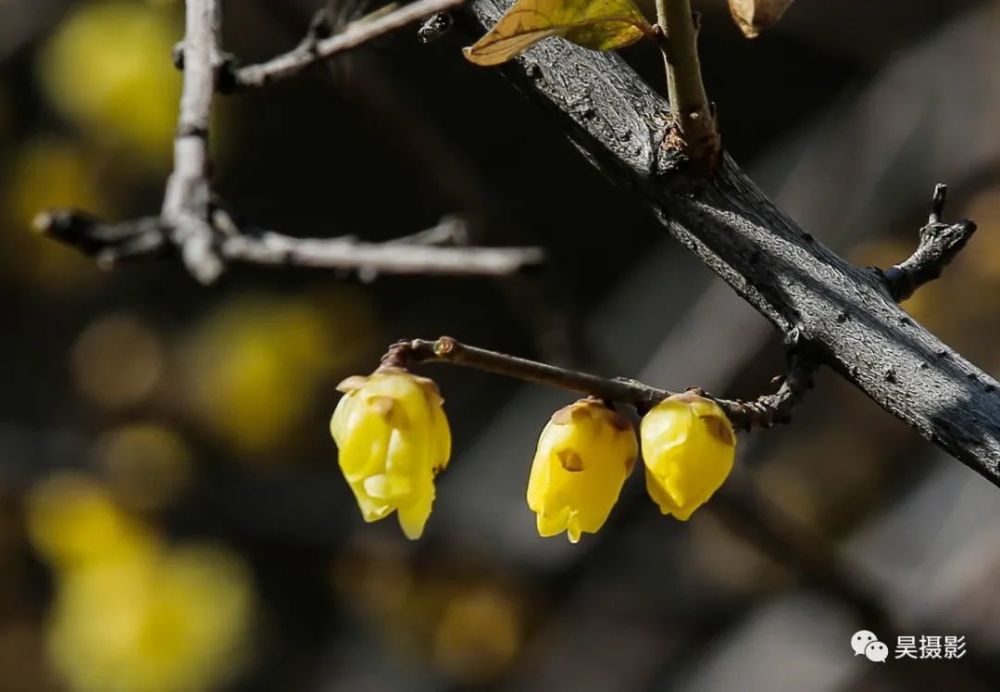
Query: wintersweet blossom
{"x": 688, "y": 447}
{"x": 584, "y": 454}
{"x": 393, "y": 439}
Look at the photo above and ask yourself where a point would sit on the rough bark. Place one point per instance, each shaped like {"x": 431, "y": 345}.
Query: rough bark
{"x": 841, "y": 315}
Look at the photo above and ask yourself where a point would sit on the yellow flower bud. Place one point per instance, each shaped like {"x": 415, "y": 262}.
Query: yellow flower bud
{"x": 393, "y": 439}
{"x": 584, "y": 455}
{"x": 688, "y": 447}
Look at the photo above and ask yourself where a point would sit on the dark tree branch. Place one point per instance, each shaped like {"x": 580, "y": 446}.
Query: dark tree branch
{"x": 315, "y": 49}
{"x": 844, "y": 315}
{"x": 764, "y": 411}
{"x": 432, "y": 251}
{"x": 939, "y": 244}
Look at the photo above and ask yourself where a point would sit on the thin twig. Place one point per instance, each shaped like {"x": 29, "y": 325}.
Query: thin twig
{"x": 313, "y": 49}
{"x": 186, "y": 199}
{"x": 939, "y": 244}
{"x": 678, "y": 39}
{"x": 764, "y": 411}
{"x": 431, "y": 251}
{"x": 374, "y": 258}
{"x": 450, "y": 231}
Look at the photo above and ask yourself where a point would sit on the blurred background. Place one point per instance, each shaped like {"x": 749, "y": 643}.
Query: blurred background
{"x": 171, "y": 513}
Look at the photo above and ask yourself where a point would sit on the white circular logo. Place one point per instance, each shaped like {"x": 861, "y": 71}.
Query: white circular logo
{"x": 877, "y": 652}
{"x": 861, "y": 640}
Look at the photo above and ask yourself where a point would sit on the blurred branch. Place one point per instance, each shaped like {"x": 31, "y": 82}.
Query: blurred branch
{"x": 939, "y": 244}
{"x": 428, "y": 252}
{"x": 748, "y": 513}
{"x": 186, "y": 200}
{"x": 843, "y": 315}
{"x": 208, "y": 239}
{"x": 761, "y": 412}
{"x": 315, "y": 48}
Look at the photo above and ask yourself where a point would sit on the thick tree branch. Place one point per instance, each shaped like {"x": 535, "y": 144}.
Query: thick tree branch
{"x": 314, "y": 49}
{"x": 764, "y": 411}
{"x": 431, "y": 251}
{"x": 939, "y": 244}
{"x": 844, "y": 315}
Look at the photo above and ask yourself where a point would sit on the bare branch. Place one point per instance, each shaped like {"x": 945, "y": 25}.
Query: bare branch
{"x": 205, "y": 235}
{"x": 186, "y": 200}
{"x": 313, "y": 49}
{"x": 939, "y": 244}
{"x": 764, "y": 411}
{"x": 426, "y": 252}
{"x": 394, "y": 257}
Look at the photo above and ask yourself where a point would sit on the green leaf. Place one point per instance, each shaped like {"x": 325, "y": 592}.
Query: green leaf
{"x": 597, "y": 24}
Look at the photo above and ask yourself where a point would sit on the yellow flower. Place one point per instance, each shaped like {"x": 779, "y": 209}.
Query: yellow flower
{"x": 584, "y": 455}
{"x": 393, "y": 439}
{"x": 688, "y": 446}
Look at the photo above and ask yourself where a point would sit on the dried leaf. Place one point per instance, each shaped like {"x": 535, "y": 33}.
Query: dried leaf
{"x": 598, "y": 24}
{"x": 753, "y": 16}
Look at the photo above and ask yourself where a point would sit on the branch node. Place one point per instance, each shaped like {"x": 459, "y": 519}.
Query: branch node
{"x": 444, "y": 346}
{"x": 688, "y": 99}
{"x": 939, "y": 244}
{"x": 225, "y": 69}
{"x": 325, "y": 39}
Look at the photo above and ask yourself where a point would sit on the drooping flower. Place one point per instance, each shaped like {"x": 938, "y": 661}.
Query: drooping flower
{"x": 688, "y": 446}
{"x": 584, "y": 455}
{"x": 393, "y": 439}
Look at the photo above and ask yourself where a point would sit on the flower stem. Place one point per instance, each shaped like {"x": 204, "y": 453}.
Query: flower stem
{"x": 686, "y": 91}
{"x": 763, "y": 411}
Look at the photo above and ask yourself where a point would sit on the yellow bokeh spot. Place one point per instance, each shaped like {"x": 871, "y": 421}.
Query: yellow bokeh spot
{"x": 478, "y": 635}
{"x": 984, "y": 259}
{"x": 467, "y": 624}
{"x": 117, "y": 361}
{"x": 107, "y": 68}
{"x": 174, "y": 621}
{"x": 46, "y": 173}
{"x": 73, "y": 522}
{"x": 257, "y": 363}
{"x": 130, "y": 612}
{"x": 145, "y": 465}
